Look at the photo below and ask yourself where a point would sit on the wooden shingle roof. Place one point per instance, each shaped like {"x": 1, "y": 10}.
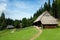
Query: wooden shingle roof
{"x": 46, "y": 18}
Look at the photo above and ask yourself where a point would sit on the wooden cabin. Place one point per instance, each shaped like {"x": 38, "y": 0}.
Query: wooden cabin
{"x": 46, "y": 20}
{"x": 10, "y": 27}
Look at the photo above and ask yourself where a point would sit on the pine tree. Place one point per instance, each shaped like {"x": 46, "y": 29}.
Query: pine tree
{"x": 58, "y": 8}
{"x": 24, "y": 22}
{"x": 54, "y": 8}
{"x": 49, "y": 6}
{"x": 3, "y": 24}
{"x": 2, "y": 16}
{"x": 46, "y": 6}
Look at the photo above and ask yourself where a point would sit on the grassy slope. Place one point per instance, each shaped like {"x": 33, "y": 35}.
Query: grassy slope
{"x": 24, "y": 34}
{"x": 50, "y": 34}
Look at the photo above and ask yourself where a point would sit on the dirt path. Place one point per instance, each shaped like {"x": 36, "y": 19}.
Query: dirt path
{"x": 13, "y": 30}
{"x": 38, "y": 34}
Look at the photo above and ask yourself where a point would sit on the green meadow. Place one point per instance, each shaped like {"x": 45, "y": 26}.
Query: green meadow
{"x": 19, "y": 34}
{"x": 50, "y": 34}
{"x": 29, "y": 32}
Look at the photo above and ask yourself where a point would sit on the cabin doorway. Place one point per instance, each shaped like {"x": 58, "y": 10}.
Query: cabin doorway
{"x": 37, "y": 24}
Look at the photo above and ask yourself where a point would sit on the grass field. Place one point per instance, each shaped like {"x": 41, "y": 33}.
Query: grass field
{"x": 50, "y": 34}
{"x": 28, "y": 33}
{"x": 23, "y": 34}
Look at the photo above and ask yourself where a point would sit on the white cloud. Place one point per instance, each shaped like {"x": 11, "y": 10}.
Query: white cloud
{"x": 3, "y": 6}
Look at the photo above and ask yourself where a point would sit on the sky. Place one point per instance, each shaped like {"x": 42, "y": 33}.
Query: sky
{"x": 18, "y": 9}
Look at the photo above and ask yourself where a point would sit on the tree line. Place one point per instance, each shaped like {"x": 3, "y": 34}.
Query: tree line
{"x": 54, "y": 9}
{"x": 58, "y": 8}
{"x": 16, "y": 23}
